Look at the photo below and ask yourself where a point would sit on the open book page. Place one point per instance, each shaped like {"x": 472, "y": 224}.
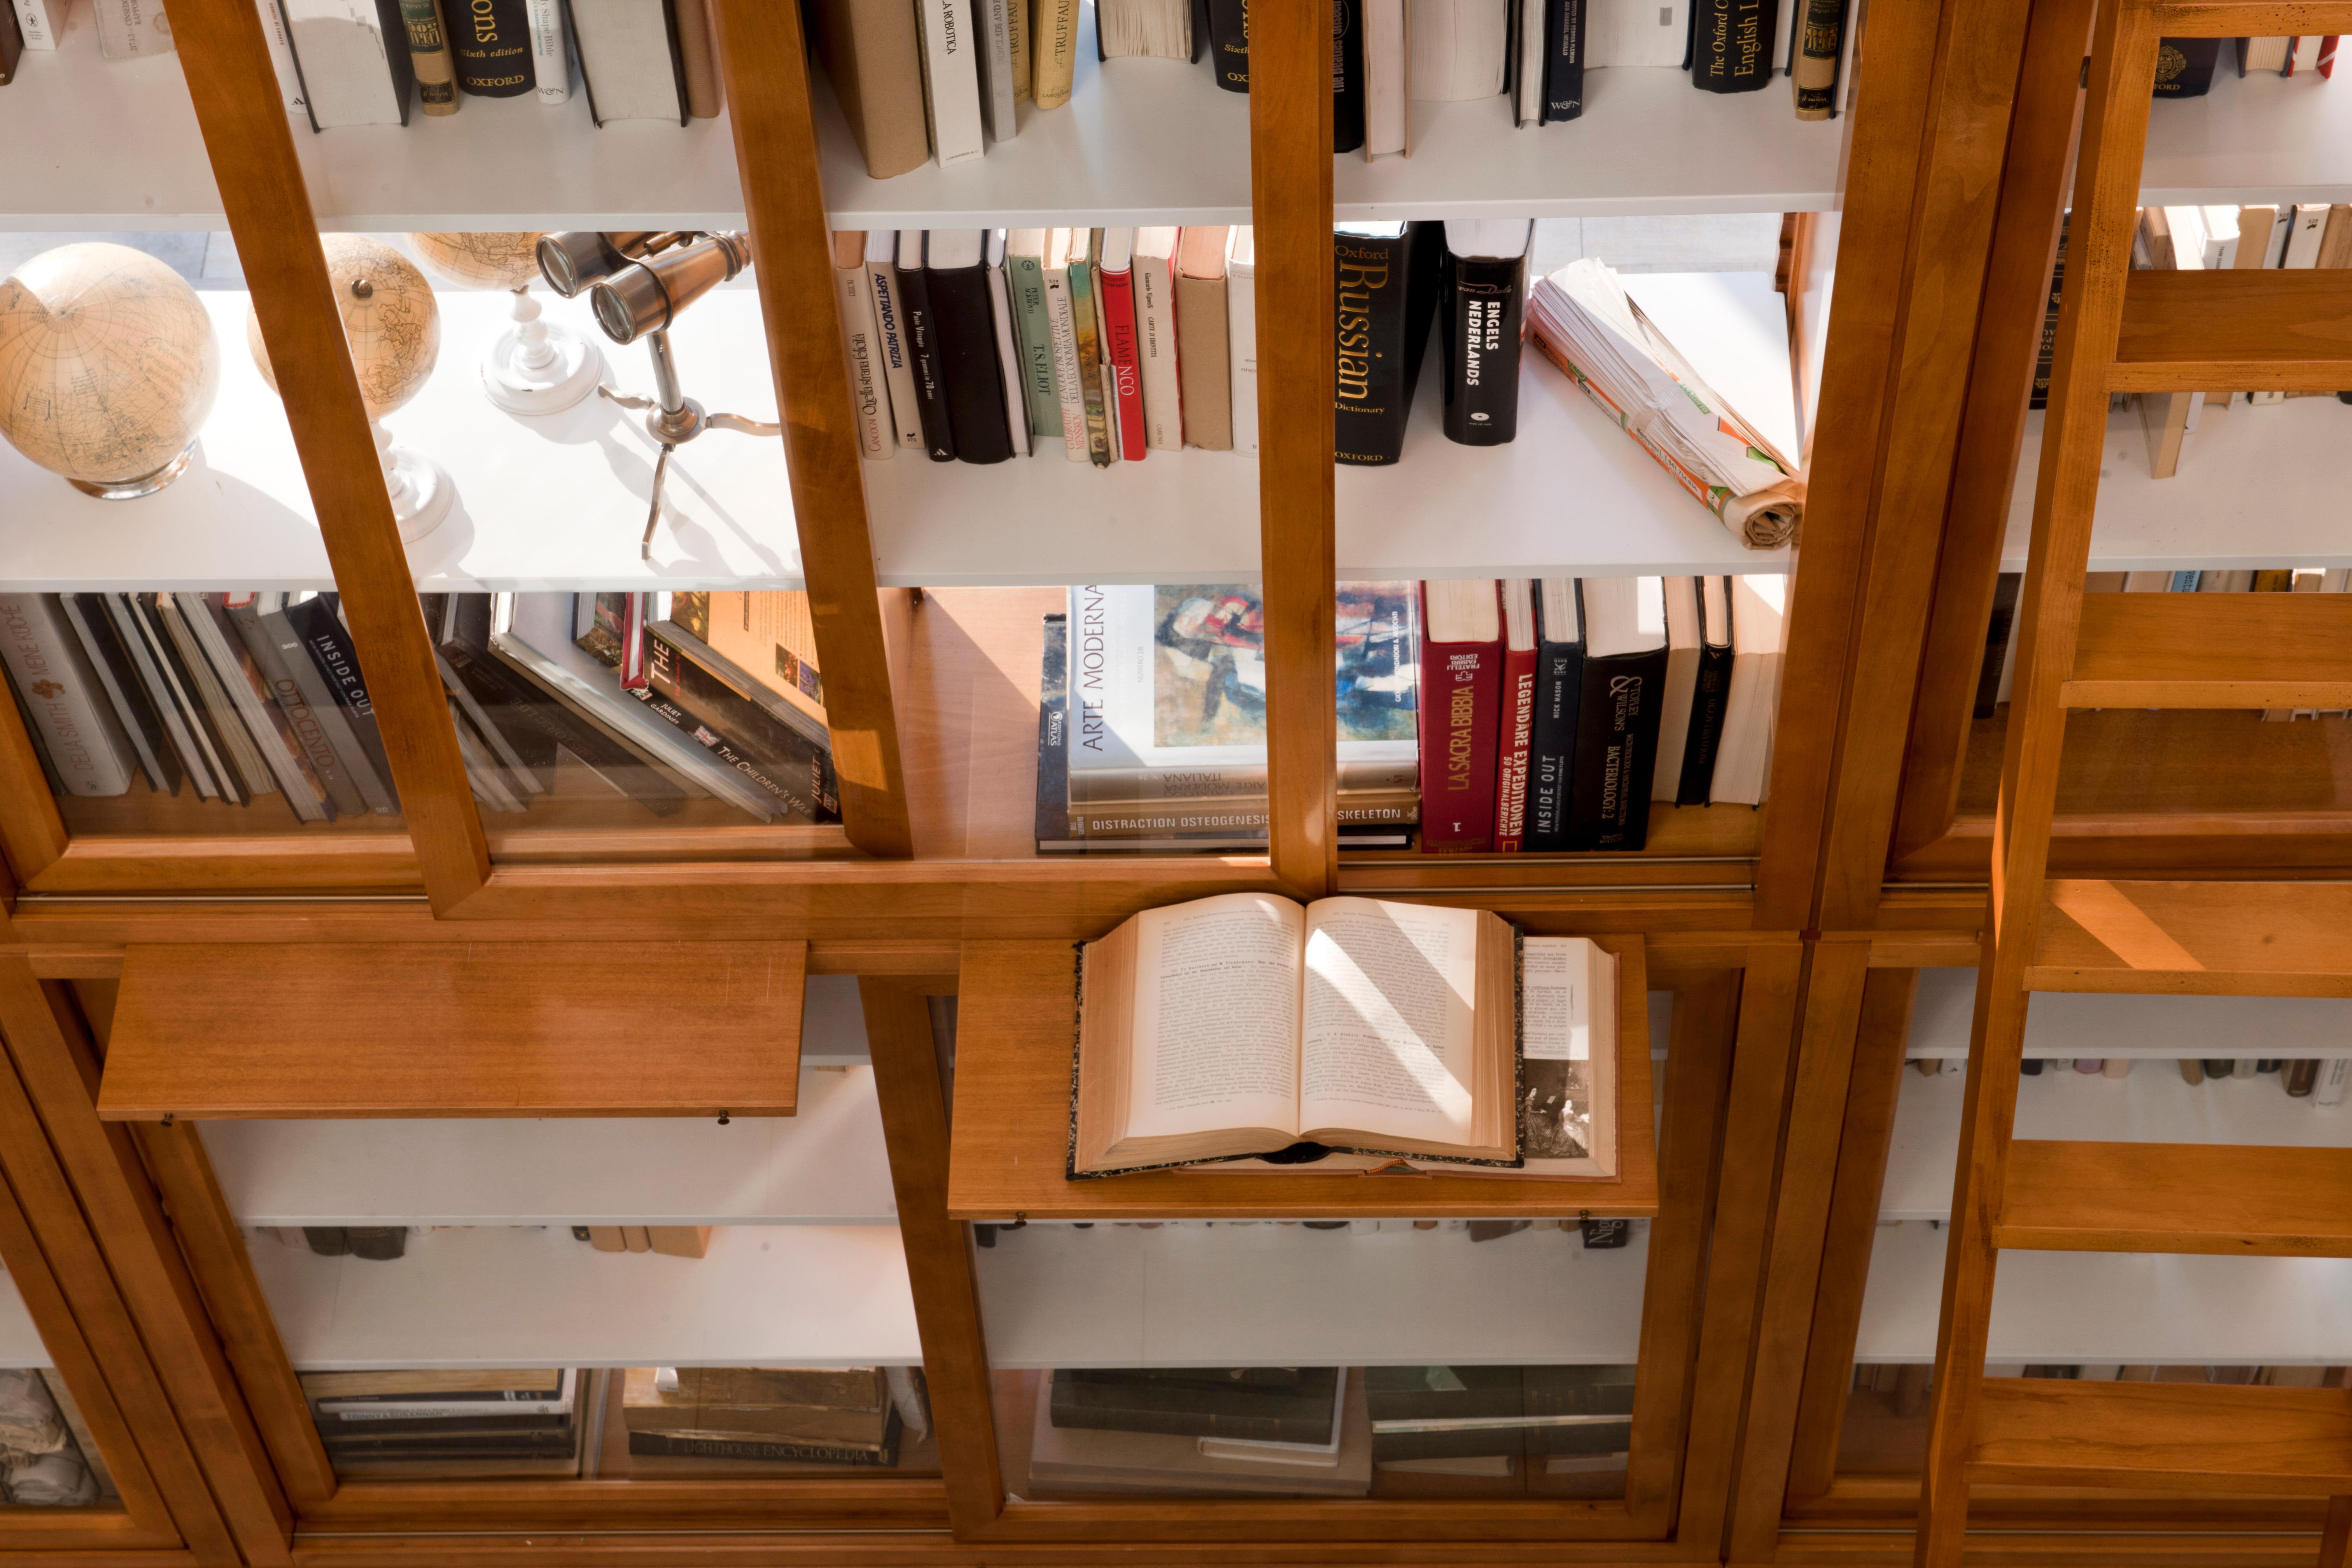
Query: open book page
{"x": 1387, "y": 1046}
{"x": 1568, "y": 1002}
{"x": 1216, "y": 1016}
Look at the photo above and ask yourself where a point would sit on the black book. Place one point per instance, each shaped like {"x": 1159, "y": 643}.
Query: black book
{"x": 1617, "y": 715}
{"x": 86, "y": 612}
{"x": 678, "y": 1445}
{"x": 1714, "y": 685}
{"x": 955, "y": 274}
{"x": 2184, "y": 67}
{"x": 1731, "y": 43}
{"x": 1294, "y": 1381}
{"x": 1301, "y": 1412}
{"x": 1229, "y": 43}
{"x": 1443, "y": 1392}
{"x": 1347, "y": 76}
{"x": 489, "y": 47}
{"x": 1996, "y": 634}
{"x": 1560, "y": 682}
{"x": 1054, "y": 732}
{"x": 1487, "y": 268}
{"x": 1563, "y": 82}
{"x": 1387, "y": 278}
{"x": 2047, "y": 353}
{"x": 923, "y": 349}
{"x": 775, "y": 750}
{"x": 329, "y": 643}
{"x": 12, "y": 46}
{"x": 338, "y": 1426}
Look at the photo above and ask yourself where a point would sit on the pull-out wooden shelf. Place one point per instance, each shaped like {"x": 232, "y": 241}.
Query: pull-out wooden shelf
{"x": 2163, "y": 1436}
{"x": 2228, "y": 939}
{"x": 1016, "y": 1020}
{"x": 2212, "y": 651}
{"x": 2176, "y": 1197}
{"x": 231, "y": 1031}
{"x": 2274, "y": 328}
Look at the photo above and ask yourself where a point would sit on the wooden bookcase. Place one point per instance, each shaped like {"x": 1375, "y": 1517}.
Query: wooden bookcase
{"x": 1779, "y": 950}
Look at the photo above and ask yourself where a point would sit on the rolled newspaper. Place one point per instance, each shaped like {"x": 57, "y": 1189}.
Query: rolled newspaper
{"x": 1584, "y": 323}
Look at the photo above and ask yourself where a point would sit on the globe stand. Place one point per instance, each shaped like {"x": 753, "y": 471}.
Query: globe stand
{"x": 535, "y": 368}
{"x": 421, "y": 493}
{"x": 144, "y": 484}
{"x": 676, "y": 419}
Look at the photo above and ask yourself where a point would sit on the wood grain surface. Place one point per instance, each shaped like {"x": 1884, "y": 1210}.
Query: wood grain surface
{"x": 2215, "y": 1198}
{"x": 2164, "y": 1436}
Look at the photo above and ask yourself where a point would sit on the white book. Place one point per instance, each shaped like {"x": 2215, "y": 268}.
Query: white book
{"x": 870, "y": 394}
{"x": 890, "y": 335}
{"x": 41, "y": 22}
{"x": 1743, "y": 759}
{"x": 1459, "y": 48}
{"x": 1008, "y": 357}
{"x": 627, "y": 60}
{"x": 1059, "y": 314}
{"x": 1527, "y": 96}
{"x": 996, "y": 18}
{"x": 551, "y": 61}
{"x": 951, "y": 48}
{"x": 1388, "y": 92}
{"x": 59, "y": 693}
{"x": 1154, "y": 271}
{"x": 2335, "y": 1077}
{"x": 346, "y": 67}
{"x": 2303, "y": 238}
{"x": 1241, "y": 333}
{"x": 281, "y": 57}
{"x": 132, "y": 29}
{"x": 1684, "y": 637}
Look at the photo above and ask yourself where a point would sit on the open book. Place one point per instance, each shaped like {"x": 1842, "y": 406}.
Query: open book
{"x": 1245, "y": 1023}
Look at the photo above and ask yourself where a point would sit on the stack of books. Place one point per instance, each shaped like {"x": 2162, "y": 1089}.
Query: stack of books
{"x": 1263, "y": 1429}
{"x": 483, "y": 1421}
{"x": 805, "y": 1415}
{"x": 1500, "y": 1420}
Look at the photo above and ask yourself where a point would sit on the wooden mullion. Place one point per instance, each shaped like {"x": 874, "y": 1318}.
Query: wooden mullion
{"x": 765, "y": 60}
{"x": 60, "y": 1075}
{"x": 1869, "y": 1134}
{"x": 939, "y": 1250}
{"x": 242, "y": 114}
{"x": 1290, "y": 204}
{"x": 32, "y": 834}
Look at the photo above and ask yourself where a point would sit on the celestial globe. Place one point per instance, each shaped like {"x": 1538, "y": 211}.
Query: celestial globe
{"x": 390, "y": 320}
{"x": 107, "y": 368}
{"x": 533, "y": 366}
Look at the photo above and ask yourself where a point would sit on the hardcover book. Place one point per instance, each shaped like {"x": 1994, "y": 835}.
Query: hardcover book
{"x": 1296, "y": 1406}
{"x": 1387, "y": 279}
{"x": 1518, "y": 722}
{"x": 490, "y": 47}
{"x": 1559, "y": 683}
{"x": 1462, "y": 689}
{"x": 1625, "y": 656}
{"x": 955, "y": 278}
{"x": 1710, "y": 693}
{"x": 1204, "y": 350}
{"x": 923, "y": 348}
{"x": 872, "y": 54}
{"x": 1229, "y": 43}
{"x": 1486, "y": 265}
{"x": 1686, "y": 639}
{"x": 1731, "y": 43}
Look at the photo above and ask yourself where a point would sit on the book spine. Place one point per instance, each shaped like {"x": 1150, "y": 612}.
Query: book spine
{"x": 304, "y": 721}
{"x": 1067, "y": 1413}
{"x": 182, "y": 615}
{"x": 1731, "y": 43}
{"x": 897, "y": 365}
{"x": 2302, "y": 1077}
{"x": 1062, "y": 317}
{"x": 1057, "y": 58}
{"x": 1137, "y": 783}
{"x": 1229, "y": 43}
{"x": 1054, "y": 732}
{"x": 428, "y": 53}
{"x": 1026, "y": 274}
{"x": 923, "y": 353}
{"x": 770, "y": 785}
{"x": 1820, "y": 44}
{"x": 37, "y": 21}
{"x": 1241, "y": 338}
{"x": 132, "y": 29}
{"x": 156, "y": 682}
{"x": 1461, "y": 686}
{"x": 1563, "y": 82}
{"x": 1009, "y": 364}
{"x": 2195, "y": 76}
{"x": 1551, "y": 751}
{"x": 1155, "y": 322}
{"x": 867, "y": 394}
{"x": 971, "y": 375}
{"x": 328, "y": 645}
{"x": 697, "y": 59}
{"x": 2335, "y": 1077}
{"x": 1126, "y": 370}
{"x": 1616, "y": 748}
{"x": 247, "y": 691}
{"x": 490, "y": 47}
{"x": 1707, "y": 701}
{"x": 951, "y": 75}
{"x": 1369, "y": 279}
{"x": 117, "y": 676}
{"x": 650, "y": 1445}
{"x": 1481, "y": 361}
{"x": 281, "y": 57}
{"x": 995, "y": 21}
{"x": 550, "y": 60}
{"x": 1152, "y": 818}
{"x": 62, "y": 698}
{"x": 1103, "y": 376}
{"x": 1025, "y": 48}
{"x": 1347, "y": 75}
{"x": 1089, "y": 362}
{"x": 1518, "y": 735}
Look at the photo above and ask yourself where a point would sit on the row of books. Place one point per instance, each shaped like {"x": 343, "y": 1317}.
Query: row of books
{"x": 1564, "y": 707}
{"x": 2323, "y": 1081}
{"x": 480, "y": 1420}
{"x": 2185, "y": 66}
{"x": 849, "y": 1415}
{"x": 1321, "y": 1431}
{"x": 43, "y": 1463}
{"x": 1593, "y": 1235}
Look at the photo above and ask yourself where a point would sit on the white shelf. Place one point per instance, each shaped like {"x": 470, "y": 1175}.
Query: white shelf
{"x": 1283, "y": 1295}
{"x": 2258, "y": 138}
{"x": 20, "y": 1342}
{"x": 2069, "y": 1024}
{"x": 795, "y": 1295}
{"x": 825, "y": 1165}
{"x": 2257, "y": 487}
{"x": 2076, "y": 1308}
{"x": 2153, "y": 1105}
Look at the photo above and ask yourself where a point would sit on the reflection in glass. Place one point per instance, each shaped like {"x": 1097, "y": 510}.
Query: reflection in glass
{"x": 47, "y": 1456}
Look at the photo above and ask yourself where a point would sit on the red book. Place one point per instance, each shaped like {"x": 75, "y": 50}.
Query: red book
{"x": 1116, "y": 270}
{"x": 1461, "y": 702}
{"x": 1517, "y": 721}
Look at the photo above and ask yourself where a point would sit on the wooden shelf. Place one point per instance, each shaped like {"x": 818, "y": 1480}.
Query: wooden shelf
{"x": 779, "y": 1295}
{"x": 2161, "y": 1437}
{"x": 2212, "y": 651}
{"x": 1269, "y": 1295}
{"x": 2258, "y": 329}
{"x": 2238, "y": 939}
{"x": 2064, "y": 1195}
{"x": 2150, "y": 1309}
{"x": 824, "y": 1165}
{"x": 20, "y": 1342}
{"x": 1016, "y": 1020}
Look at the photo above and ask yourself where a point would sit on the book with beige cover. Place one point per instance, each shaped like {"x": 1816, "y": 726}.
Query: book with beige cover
{"x": 1204, "y": 354}
{"x": 871, "y": 54}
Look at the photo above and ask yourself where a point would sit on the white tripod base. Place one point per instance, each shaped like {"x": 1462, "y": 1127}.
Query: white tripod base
{"x": 421, "y": 493}
{"x": 535, "y": 368}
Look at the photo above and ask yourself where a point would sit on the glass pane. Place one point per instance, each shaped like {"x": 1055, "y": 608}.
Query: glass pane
{"x": 47, "y": 1457}
{"x": 192, "y": 673}
{"x": 469, "y": 1299}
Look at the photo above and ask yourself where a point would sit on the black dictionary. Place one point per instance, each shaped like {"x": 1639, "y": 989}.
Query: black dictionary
{"x": 1387, "y": 277}
{"x": 1731, "y": 43}
{"x": 1487, "y": 268}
